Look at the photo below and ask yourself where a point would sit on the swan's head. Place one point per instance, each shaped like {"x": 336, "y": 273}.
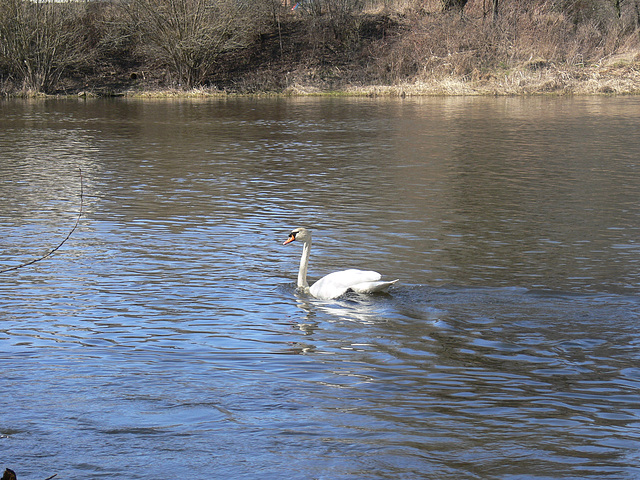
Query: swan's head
{"x": 301, "y": 234}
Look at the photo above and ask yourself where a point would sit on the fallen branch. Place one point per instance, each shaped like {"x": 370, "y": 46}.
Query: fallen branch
{"x": 31, "y": 262}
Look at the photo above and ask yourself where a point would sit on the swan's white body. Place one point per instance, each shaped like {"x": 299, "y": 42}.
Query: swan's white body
{"x": 336, "y": 283}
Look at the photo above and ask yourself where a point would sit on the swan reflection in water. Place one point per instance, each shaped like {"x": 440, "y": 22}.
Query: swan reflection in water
{"x": 352, "y": 307}
{"x": 337, "y": 283}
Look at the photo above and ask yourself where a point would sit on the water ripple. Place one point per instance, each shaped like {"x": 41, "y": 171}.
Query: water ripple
{"x": 168, "y": 334}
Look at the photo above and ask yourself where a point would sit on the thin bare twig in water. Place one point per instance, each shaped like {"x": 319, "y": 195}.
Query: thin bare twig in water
{"x": 49, "y": 478}
{"x": 31, "y": 262}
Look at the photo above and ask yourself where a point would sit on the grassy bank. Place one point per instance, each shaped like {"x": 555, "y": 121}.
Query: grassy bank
{"x": 530, "y": 48}
{"x": 404, "y": 48}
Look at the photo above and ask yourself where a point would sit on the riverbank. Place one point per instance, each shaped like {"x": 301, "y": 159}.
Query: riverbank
{"x": 528, "y": 50}
{"x": 415, "y": 49}
{"x": 614, "y": 76}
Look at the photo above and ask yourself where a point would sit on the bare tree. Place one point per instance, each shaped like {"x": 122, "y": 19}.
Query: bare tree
{"x": 39, "y": 40}
{"x": 189, "y": 36}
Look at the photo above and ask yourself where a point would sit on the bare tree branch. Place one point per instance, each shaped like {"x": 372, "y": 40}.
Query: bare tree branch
{"x": 51, "y": 252}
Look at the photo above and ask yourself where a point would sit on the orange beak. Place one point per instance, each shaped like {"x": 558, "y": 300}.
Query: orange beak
{"x": 289, "y": 240}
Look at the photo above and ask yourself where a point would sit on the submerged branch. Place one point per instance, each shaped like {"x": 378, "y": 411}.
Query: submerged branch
{"x": 51, "y": 252}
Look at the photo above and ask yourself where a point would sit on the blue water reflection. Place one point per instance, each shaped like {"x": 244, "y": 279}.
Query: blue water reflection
{"x": 167, "y": 334}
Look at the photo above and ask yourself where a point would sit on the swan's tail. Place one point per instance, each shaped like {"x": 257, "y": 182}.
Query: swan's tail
{"x": 372, "y": 287}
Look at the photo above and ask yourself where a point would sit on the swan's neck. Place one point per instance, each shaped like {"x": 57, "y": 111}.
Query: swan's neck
{"x": 304, "y": 263}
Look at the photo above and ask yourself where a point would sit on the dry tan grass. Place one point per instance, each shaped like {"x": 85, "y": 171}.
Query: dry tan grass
{"x": 620, "y": 79}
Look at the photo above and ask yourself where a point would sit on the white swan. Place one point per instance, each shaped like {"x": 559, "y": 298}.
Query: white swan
{"x": 336, "y": 283}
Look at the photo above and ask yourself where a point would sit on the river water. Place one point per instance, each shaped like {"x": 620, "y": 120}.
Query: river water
{"x": 166, "y": 337}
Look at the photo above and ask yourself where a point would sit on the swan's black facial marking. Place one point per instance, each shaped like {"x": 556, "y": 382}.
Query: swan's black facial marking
{"x": 290, "y": 238}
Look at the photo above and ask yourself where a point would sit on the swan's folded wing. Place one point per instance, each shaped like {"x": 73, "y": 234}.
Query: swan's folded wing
{"x": 372, "y": 287}
{"x": 337, "y": 283}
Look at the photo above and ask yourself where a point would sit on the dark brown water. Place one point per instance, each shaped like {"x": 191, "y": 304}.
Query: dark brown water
{"x": 167, "y": 335}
